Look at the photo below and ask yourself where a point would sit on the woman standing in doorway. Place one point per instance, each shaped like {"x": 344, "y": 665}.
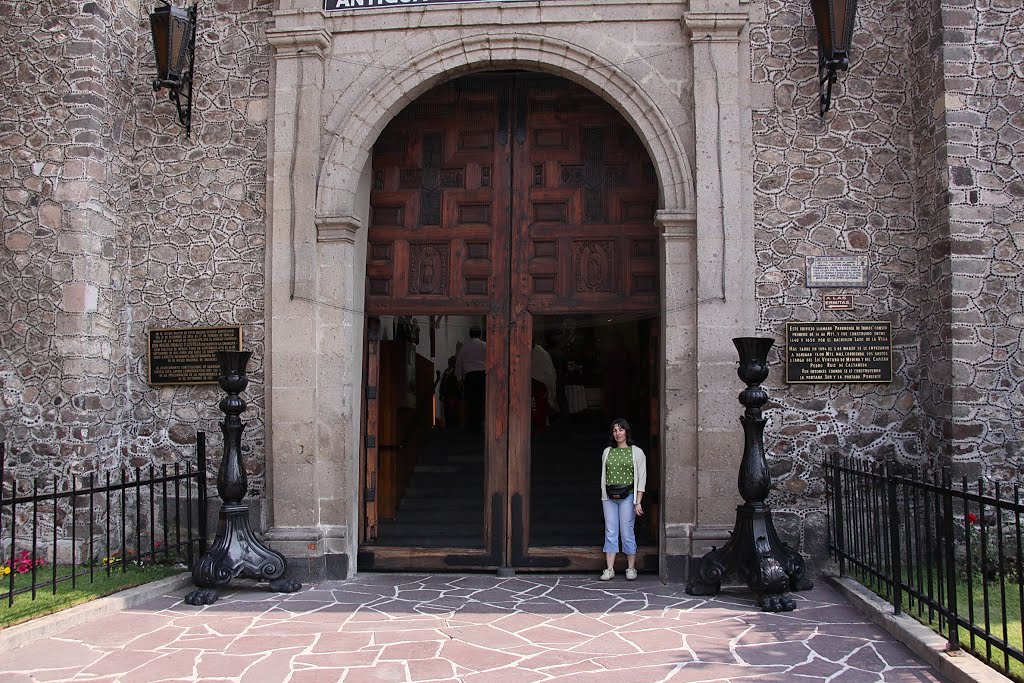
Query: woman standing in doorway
{"x": 623, "y": 479}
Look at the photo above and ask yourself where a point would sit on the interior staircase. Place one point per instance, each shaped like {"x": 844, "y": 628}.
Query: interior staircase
{"x": 443, "y": 506}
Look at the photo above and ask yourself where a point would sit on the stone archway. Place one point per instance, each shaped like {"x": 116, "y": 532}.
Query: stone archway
{"x": 346, "y": 157}
{"x": 317, "y": 251}
{"x": 536, "y": 201}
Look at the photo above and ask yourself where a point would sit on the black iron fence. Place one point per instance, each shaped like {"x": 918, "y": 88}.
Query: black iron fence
{"x": 71, "y": 530}
{"x": 950, "y": 554}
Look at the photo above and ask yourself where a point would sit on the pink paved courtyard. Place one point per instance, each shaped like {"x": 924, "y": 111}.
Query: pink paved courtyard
{"x": 445, "y": 627}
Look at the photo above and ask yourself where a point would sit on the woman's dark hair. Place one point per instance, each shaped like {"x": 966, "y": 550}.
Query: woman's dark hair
{"x": 625, "y": 426}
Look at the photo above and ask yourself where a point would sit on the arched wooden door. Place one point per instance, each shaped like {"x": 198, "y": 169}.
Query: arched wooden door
{"x": 503, "y": 197}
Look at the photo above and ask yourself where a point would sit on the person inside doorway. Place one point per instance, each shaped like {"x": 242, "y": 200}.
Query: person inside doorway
{"x": 451, "y": 396}
{"x": 543, "y": 381}
{"x": 623, "y": 480}
{"x": 470, "y": 366}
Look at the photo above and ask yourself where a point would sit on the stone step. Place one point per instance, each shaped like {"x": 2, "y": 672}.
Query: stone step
{"x": 416, "y": 540}
{"x": 422, "y": 529}
{"x": 473, "y": 501}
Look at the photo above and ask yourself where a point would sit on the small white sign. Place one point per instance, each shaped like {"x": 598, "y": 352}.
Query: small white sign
{"x": 836, "y": 271}
{"x": 838, "y": 302}
{"x": 345, "y": 5}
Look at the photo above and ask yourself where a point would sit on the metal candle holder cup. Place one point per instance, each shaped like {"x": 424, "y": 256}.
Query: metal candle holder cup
{"x": 754, "y": 552}
{"x": 235, "y": 551}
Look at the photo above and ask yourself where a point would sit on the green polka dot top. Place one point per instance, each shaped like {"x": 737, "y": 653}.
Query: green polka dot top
{"x": 619, "y": 466}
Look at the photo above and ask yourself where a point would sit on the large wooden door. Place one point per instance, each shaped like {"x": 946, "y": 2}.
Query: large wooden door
{"x": 508, "y": 196}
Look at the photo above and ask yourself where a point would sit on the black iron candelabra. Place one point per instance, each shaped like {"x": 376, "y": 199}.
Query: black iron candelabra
{"x": 235, "y": 551}
{"x": 754, "y": 552}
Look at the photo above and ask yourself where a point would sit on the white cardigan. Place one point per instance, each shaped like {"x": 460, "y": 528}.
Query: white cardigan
{"x": 639, "y": 471}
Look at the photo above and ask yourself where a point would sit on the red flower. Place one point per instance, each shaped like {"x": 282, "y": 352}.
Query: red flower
{"x": 23, "y": 562}
{"x": 972, "y": 518}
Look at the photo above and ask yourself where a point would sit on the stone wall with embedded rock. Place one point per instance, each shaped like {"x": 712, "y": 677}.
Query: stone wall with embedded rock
{"x": 919, "y": 166}
{"x": 838, "y": 185}
{"x": 197, "y": 242}
{"x": 931, "y": 202}
{"x": 66, "y": 123}
{"x": 983, "y": 109}
{"x": 115, "y": 223}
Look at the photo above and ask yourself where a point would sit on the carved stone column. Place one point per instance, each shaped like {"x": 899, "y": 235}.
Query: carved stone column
{"x": 678, "y": 418}
{"x": 725, "y": 257}
{"x": 306, "y": 434}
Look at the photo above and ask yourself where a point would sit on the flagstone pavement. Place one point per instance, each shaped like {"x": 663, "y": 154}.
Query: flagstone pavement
{"x": 445, "y": 627}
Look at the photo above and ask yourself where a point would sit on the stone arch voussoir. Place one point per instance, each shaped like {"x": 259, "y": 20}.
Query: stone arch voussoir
{"x": 358, "y": 125}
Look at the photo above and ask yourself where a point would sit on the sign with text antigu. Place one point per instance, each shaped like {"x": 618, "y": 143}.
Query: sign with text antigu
{"x": 345, "y": 5}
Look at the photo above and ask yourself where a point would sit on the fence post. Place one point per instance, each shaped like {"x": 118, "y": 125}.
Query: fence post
{"x": 953, "y": 620}
{"x": 829, "y": 513}
{"x": 837, "y": 493}
{"x": 892, "y": 493}
{"x": 14, "y": 524}
{"x": 201, "y": 476}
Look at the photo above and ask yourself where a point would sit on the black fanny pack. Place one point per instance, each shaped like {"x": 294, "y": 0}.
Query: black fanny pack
{"x": 618, "y": 491}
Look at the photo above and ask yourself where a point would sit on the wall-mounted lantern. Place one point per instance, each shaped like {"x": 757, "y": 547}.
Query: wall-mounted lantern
{"x": 174, "y": 42}
{"x": 834, "y": 21}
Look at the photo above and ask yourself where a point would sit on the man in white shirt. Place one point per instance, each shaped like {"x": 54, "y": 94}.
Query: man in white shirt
{"x": 470, "y": 367}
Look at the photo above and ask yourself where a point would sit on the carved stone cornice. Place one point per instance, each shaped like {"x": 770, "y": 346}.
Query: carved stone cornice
{"x": 715, "y": 26}
{"x": 676, "y": 225}
{"x": 337, "y": 228}
{"x": 291, "y": 43}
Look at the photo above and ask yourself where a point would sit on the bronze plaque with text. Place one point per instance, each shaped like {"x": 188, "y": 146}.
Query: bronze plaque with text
{"x": 187, "y": 355}
{"x": 848, "y": 352}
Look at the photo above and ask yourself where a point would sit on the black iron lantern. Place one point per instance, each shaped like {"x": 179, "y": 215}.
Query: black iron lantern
{"x": 174, "y": 38}
{"x": 834, "y": 21}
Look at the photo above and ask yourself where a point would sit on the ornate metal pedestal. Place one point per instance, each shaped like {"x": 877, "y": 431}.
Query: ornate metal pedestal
{"x": 754, "y": 551}
{"x": 235, "y": 550}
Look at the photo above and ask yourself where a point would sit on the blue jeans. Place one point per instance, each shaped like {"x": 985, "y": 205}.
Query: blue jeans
{"x": 619, "y": 516}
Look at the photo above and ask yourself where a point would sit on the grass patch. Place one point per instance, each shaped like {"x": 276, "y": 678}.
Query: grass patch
{"x": 1013, "y": 622}
{"x": 966, "y": 601}
{"x": 46, "y": 602}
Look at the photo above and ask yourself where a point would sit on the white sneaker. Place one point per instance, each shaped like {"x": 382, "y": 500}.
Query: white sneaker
{"x": 630, "y": 574}
{"x": 608, "y": 574}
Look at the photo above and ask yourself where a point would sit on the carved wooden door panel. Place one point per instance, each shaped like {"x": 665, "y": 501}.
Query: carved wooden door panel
{"x": 509, "y": 195}
{"x": 583, "y": 241}
{"x": 583, "y": 233}
{"x": 439, "y": 204}
{"x": 438, "y": 244}
{"x": 371, "y": 464}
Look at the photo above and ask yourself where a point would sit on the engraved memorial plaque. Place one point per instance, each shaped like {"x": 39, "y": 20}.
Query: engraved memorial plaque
{"x": 839, "y": 352}
{"x": 836, "y": 271}
{"x": 188, "y": 355}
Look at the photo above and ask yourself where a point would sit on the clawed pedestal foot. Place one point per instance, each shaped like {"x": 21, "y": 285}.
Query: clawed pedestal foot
{"x": 208, "y": 596}
{"x": 201, "y": 596}
{"x": 701, "y": 588}
{"x": 801, "y": 583}
{"x": 285, "y": 585}
{"x": 779, "y": 602}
